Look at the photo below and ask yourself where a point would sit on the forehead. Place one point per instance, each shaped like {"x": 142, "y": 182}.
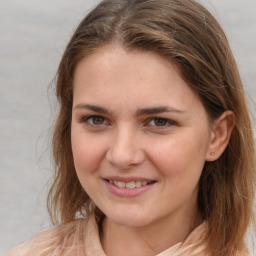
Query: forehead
{"x": 111, "y": 59}
{"x": 112, "y": 74}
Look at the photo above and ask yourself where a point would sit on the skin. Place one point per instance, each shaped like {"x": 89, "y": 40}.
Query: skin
{"x": 116, "y": 138}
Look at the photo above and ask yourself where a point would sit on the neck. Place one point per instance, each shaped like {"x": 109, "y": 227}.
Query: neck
{"x": 147, "y": 240}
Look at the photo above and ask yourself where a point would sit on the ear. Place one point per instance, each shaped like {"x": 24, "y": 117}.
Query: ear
{"x": 220, "y": 135}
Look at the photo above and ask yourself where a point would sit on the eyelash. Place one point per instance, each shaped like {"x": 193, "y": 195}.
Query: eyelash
{"x": 89, "y": 121}
{"x": 165, "y": 120}
{"x": 90, "y": 118}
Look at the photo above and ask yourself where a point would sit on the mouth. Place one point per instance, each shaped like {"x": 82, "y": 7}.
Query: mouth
{"x": 130, "y": 184}
{"x": 128, "y": 187}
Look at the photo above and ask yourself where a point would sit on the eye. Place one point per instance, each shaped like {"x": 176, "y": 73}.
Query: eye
{"x": 95, "y": 120}
{"x": 160, "y": 122}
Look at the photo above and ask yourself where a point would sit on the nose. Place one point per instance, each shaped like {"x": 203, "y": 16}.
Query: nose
{"x": 125, "y": 150}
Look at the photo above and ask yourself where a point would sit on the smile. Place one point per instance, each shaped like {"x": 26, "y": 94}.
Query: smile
{"x": 122, "y": 187}
{"x": 130, "y": 185}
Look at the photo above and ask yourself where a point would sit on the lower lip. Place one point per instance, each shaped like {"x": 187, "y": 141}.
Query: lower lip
{"x": 127, "y": 192}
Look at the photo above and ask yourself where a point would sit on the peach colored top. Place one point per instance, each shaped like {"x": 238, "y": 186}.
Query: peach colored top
{"x": 81, "y": 237}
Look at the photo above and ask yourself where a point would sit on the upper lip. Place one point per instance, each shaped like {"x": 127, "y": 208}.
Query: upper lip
{"x": 127, "y": 179}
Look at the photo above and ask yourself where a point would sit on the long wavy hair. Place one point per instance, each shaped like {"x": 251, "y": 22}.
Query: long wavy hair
{"x": 187, "y": 34}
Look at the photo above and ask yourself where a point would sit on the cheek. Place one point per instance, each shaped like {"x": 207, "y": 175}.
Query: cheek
{"x": 87, "y": 152}
{"x": 180, "y": 159}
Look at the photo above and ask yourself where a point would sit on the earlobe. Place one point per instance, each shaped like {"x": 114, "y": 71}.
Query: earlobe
{"x": 220, "y": 135}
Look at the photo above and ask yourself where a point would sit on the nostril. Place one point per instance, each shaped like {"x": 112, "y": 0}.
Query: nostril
{"x": 120, "y": 158}
{"x": 124, "y": 157}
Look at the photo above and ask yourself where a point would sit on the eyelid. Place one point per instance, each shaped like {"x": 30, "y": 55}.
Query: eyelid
{"x": 106, "y": 122}
{"x": 169, "y": 122}
{"x": 86, "y": 118}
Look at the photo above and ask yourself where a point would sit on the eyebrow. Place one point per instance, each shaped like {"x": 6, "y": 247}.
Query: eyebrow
{"x": 157, "y": 110}
{"x": 93, "y": 108}
{"x": 139, "y": 112}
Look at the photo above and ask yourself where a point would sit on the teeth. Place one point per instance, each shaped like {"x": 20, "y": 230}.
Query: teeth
{"x": 138, "y": 184}
{"x": 130, "y": 185}
{"x": 121, "y": 184}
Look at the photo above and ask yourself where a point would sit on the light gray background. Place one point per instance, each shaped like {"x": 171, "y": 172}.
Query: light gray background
{"x": 33, "y": 35}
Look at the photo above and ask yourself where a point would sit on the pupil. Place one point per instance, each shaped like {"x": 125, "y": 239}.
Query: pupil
{"x": 97, "y": 120}
{"x": 160, "y": 122}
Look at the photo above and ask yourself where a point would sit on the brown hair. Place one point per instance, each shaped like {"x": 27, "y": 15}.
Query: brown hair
{"x": 187, "y": 34}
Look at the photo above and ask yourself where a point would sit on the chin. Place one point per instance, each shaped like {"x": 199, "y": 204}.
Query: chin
{"x": 131, "y": 219}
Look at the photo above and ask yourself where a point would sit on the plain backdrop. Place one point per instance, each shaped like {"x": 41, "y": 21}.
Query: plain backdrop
{"x": 33, "y": 36}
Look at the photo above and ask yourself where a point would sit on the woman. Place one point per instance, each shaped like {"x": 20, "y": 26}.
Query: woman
{"x": 153, "y": 144}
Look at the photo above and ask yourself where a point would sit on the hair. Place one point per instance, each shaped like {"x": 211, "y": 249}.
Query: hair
{"x": 187, "y": 34}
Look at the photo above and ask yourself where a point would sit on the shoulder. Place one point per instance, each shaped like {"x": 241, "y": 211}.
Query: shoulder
{"x": 46, "y": 242}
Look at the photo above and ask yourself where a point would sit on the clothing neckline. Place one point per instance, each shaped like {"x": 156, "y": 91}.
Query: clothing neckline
{"x": 94, "y": 247}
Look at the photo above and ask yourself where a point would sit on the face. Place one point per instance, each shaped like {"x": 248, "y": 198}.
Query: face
{"x": 140, "y": 136}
